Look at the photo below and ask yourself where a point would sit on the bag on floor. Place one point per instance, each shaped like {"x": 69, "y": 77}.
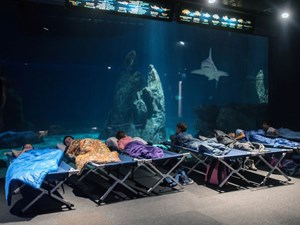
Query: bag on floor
{"x": 216, "y": 172}
{"x": 288, "y": 166}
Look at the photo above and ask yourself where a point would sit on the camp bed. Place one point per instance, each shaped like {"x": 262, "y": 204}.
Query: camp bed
{"x": 52, "y": 182}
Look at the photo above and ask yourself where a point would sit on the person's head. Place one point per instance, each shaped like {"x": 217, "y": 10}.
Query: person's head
{"x": 181, "y": 127}
{"x": 266, "y": 124}
{"x": 120, "y": 134}
{"x": 27, "y": 147}
{"x": 68, "y": 140}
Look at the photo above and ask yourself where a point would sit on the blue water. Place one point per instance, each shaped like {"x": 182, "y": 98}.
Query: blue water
{"x": 69, "y": 81}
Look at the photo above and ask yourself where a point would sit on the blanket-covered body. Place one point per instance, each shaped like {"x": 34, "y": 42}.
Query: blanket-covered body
{"x": 289, "y": 134}
{"x": 139, "y": 149}
{"x": 256, "y": 136}
{"x": 91, "y": 150}
{"x": 209, "y": 145}
{"x": 31, "y": 168}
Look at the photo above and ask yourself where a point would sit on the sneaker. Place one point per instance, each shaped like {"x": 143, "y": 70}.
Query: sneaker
{"x": 252, "y": 167}
{"x": 185, "y": 180}
{"x": 249, "y": 165}
{"x": 188, "y": 182}
{"x": 169, "y": 182}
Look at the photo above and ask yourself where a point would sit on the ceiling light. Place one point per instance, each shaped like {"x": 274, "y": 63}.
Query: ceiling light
{"x": 285, "y": 15}
{"x": 211, "y": 1}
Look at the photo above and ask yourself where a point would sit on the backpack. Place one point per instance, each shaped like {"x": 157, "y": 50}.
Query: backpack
{"x": 216, "y": 172}
{"x": 287, "y": 165}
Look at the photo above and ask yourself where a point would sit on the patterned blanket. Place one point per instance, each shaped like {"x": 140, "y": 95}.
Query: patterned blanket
{"x": 91, "y": 150}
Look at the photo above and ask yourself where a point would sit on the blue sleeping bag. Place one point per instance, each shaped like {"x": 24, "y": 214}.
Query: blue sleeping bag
{"x": 31, "y": 168}
{"x": 258, "y": 136}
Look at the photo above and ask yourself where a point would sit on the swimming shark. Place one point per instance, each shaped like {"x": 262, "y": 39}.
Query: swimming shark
{"x": 209, "y": 70}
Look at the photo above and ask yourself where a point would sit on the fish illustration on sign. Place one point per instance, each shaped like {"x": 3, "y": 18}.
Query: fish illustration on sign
{"x": 209, "y": 70}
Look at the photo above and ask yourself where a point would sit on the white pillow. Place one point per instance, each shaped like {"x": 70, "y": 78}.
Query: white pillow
{"x": 140, "y": 139}
{"x": 112, "y": 142}
{"x": 61, "y": 146}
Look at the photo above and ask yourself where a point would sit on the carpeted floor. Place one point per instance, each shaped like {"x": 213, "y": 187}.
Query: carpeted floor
{"x": 275, "y": 203}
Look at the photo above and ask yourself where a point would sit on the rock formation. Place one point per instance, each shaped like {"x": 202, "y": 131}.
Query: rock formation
{"x": 138, "y": 108}
{"x": 262, "y": 93}
{"x": 229, "y": 118}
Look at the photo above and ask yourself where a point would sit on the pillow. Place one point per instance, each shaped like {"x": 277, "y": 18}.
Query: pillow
{"x": 61, "y": 146}
{"x": 112, "y": 142}
{"x": 16, "y": 153}
{"x": 140, "y": 139}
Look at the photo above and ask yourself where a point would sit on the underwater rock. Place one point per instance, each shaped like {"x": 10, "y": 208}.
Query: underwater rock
{"x": 206, "y": 119}
{"x": 262, "y": 93}
{"x": 150, "y": 104}
{"x": 229, "y": 118}
{"x": 247, "y": 117}
{"x": 138, "y": 105}
{"x": 130, "y": 61}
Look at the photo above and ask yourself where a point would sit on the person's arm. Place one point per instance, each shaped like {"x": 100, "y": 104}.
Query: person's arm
{"x": 240, "y": 136}
{"x": 121, "y": 144}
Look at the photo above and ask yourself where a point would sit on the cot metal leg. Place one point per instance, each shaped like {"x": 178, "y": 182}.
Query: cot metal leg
{"x": 92, "y": 171}
{"x": 273, "y": 168}
{"x": 163, "y": 176}
{"x": 17, "y": 190}
{"x": 50, "y": 194}
{"x": 233, "y": 171}
{"x": 84, "y": 175}
{"x": 146, "y": 167}
{"x": 117, "y": 181}
{"x": 34, "y": 200}
{"x": 198, "y": 161}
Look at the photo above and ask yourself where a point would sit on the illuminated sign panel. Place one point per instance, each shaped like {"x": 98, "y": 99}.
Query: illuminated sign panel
{"x": 140, "y": 8}
{"x": 215, "y": 19}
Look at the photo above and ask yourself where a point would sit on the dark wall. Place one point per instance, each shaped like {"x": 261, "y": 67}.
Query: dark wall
{"x": 284, "y": 76}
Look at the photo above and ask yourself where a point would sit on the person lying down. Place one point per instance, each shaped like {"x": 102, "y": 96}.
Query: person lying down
{"x": 25, "y": 148}
{"x": 135, "y": 147}
{"x": 89, "y": 150}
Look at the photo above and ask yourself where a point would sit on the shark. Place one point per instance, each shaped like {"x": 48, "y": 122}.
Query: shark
{"x": 209, "y": 70}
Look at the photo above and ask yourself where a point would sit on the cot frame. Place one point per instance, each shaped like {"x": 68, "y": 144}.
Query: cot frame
{"x": 199, "y": 160}
{"x": 62, "y": 174}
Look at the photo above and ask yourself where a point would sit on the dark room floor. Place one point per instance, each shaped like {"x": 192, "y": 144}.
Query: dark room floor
{"x": 275, "y": 203}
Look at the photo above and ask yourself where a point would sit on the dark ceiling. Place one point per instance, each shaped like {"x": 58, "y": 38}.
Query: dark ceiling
{"x": 52, "y": 12}
{"x": 255, "y": 6}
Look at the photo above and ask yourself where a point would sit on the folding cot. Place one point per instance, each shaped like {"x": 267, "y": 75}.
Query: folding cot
{"x": 104, "y": 171}
{"x": 241, "y": 157}
{"x": 200, "y": 158}
{"x": 151, "y": 165}
{"x": 270, "y": 152}
{"x": 51, "y": 183}
{"x": 140, "y": 153}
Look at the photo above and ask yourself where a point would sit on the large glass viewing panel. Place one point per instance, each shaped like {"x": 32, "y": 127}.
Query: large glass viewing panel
{"x": 132, "y": 74}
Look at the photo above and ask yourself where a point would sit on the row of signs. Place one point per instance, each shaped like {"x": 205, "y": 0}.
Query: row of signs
{"x": 164, "y": 11}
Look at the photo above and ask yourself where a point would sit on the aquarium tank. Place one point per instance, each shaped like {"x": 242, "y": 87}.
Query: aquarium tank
{"x": 92, "y": 74}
